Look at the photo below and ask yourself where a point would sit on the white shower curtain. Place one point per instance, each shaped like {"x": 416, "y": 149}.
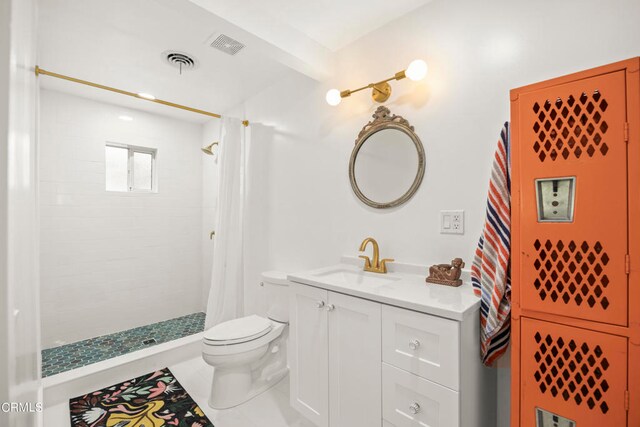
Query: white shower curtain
{"x": 227, "y": 281}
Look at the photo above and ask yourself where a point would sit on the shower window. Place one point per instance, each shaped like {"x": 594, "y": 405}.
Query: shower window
{"x": 130, "y": 168}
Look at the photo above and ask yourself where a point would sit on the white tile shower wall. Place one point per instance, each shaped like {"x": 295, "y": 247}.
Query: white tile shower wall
{"x": 476, "y": 52}
{"x": 113, "y": 261}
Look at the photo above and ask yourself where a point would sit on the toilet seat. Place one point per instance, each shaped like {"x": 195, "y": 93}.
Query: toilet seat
{"x": 214, "y": 348}
{"x": 238, "y": 331}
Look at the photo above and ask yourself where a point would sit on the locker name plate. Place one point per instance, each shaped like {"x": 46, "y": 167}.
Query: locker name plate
{"x": 549, "y": 419}
{"x": 555, "y": 199}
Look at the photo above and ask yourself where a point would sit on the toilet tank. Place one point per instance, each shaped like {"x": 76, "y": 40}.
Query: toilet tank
{"x": 276, "y": 287}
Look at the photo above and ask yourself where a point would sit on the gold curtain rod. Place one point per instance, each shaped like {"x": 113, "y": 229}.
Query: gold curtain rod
{"x": 40, "y": 71}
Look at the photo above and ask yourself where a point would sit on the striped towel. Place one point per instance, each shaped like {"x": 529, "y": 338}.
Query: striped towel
{"x": 490, "y": 273}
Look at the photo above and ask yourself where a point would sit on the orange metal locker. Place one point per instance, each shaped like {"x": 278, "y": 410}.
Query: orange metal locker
{"x": 576, "y": 249}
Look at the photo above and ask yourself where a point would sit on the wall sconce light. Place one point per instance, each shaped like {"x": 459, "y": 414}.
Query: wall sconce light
{"x": 381, "y": 91}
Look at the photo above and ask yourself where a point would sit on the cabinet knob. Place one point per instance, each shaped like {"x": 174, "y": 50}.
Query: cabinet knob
{"x": 319, "y": 304}
{"x": 414, "y": 345}
{"x": 414, "y": 408}
{"x": 330, "y": 307}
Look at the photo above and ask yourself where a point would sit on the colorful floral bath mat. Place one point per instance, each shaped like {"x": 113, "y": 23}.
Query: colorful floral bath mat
{"x": 152, "y": 400}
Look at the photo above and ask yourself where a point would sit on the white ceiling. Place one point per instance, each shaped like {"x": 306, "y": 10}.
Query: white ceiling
{"x": 120, "y": 43}
{"x": 331, "y": 23}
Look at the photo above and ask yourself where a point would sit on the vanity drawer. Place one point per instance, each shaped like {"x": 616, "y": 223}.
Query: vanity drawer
{"x": 409, "y": 401}
{"x": 425, "y": 345}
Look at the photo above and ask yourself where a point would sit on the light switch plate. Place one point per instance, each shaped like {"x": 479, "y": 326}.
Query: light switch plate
{"x": 452, "y": 222}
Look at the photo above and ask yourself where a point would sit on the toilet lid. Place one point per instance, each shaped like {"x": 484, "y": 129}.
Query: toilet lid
{"x": 238, "y": 330}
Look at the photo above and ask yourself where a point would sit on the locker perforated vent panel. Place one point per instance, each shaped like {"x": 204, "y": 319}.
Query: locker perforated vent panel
{"x": 571, "y": 127}
{"x": 572, "y": 370}
{"x": 572, "y": 273}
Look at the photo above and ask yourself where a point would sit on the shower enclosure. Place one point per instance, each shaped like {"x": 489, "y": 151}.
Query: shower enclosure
{"x": 125, "y": 223}
{"x": 127, "y": 175}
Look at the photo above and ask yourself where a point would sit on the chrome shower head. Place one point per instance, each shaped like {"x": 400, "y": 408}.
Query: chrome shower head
{"x": 209, "y": 149}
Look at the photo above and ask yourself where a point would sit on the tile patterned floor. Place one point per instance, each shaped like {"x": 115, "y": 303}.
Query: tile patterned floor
{"x": 270, "y": 409}
{"x": 82, "y": 353}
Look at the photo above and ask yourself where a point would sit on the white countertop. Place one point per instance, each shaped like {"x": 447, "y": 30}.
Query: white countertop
{"x": 400, "y": 289}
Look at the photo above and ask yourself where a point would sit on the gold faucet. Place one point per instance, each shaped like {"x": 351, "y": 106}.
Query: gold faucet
{"x": 377, "y": 265}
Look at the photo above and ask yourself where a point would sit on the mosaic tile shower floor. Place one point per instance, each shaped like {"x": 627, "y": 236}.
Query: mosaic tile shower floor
{"x": 75, "y": 355}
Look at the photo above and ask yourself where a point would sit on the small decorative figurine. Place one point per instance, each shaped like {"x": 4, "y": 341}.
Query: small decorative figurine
{"x": 445, "y": 274}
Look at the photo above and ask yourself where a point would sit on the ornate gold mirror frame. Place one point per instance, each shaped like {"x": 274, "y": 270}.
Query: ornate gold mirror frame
{"x": 383, "y": 119}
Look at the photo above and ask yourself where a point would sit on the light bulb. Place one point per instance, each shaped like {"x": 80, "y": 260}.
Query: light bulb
{"x": 146, "y": 96}
{"x": 417, "y": 70}
{"x": 333, "y": 97}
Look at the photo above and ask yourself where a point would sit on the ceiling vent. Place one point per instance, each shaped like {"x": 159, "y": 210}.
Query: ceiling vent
{"x": 180, "y": 60}
{"x": 227, "y": 45}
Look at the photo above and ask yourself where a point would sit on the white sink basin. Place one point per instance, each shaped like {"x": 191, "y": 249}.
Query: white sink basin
{"x": 350, "y": 276}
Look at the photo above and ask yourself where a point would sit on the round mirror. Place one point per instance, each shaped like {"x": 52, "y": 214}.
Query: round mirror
{"x": 387, "y": 163}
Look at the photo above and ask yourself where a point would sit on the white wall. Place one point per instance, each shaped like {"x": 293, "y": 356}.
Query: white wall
{"x": 113, "y": 261}
{"x": 476, "y": 51}
{"x": 19, "y": 312}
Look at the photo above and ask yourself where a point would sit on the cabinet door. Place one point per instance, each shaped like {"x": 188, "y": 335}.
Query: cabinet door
{"x": 573, "y": 372}
{"x": 576, "y": 267}
{"x": 308, "y": 353}
{"x": 355, "y": 378}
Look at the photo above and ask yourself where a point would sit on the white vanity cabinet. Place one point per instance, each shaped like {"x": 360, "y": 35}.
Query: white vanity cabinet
{"x": 362, "y": 361}
{"x": 334, "y": 358}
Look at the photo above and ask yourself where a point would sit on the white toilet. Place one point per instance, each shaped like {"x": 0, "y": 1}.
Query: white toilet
{"x": 249, "y": 354}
